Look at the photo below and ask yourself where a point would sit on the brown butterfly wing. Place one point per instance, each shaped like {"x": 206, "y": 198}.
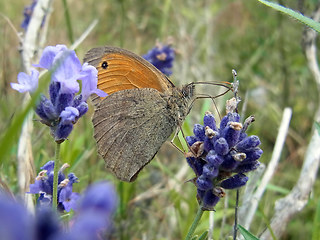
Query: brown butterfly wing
{"x": 119, "y": 69}
{"x": 130, "y": 126}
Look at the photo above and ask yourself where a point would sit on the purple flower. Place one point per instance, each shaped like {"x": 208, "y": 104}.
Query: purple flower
{"x": 227, "y": 154}
{"x": 90, "y": 81}
{"x": 63, "y": 108}
{"x": 27, "y": 12}
{"x": 161, "y": 57}
{"x": 99, "y": 197}
{"x": 91, "y": 222}
{"x": 66, "y": 196}
{"x": 95, "y": 210}
{"x": 26, "y": 83}
{"x": 15, "y": 221}
{"x": 44, "y": 186}
{"x": 47, "y": 225}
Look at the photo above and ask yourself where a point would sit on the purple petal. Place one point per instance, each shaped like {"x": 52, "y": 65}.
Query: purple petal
{"x": 82, "y": 108}
{"x": 49, "y": 166}
{"x": 69, "y": 115}
{"x": 48, "y": 55}
{"x": 100, "y": 196}
{"x": 73, "y": 178}
{"x": 90, "y": 225}
{"x": 67, "y": 71}
{"x": 63, "y": 100}
{"x": 47, "y": 224}
{"x": 26, "y": 83}
{"x": 71, "y": 203}
{"x": 36, "y": 187}
{"x": 45, "y": 110}
{"x": 15, "y": 221}
{"x": 89, "y": 82}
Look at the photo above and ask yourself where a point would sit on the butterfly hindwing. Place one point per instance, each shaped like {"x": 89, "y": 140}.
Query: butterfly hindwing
{"x": 130, "y": 127}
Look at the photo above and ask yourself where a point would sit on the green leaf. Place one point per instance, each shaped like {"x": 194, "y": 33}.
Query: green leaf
{"x": 278, "y": 189}
{"x": 203, "y": 236}
{"x": 246, "y": 234}
{"x": 10, "y": 136}
{"x": 316, "y": 224}
{"x": 317, "y": 127}
{"x": 298, "y": 16}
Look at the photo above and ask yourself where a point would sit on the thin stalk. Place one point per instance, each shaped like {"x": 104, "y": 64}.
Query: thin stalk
{"x": 194, "y": 224}
{"x": 235, "y": 227}
{"x": 68, "y": 20}
{"x": 55, "y": 177}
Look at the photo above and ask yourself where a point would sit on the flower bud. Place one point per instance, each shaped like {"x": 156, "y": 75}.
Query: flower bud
{"x": 214, "y": 159}
{"x": 253, "y": 154}
{"x": 209, "y": 201}
{"x": 209, "y": 121}
{"x": 247, "y": 167}
{"x": 191, "y": 140}
{"x": 199, "y": 132}
{"x": 209, "y": 171}
{"x": 248, "y": 143}
{"x": 204, "y": 183}
{"x": 231, "y": 133}
{"x": 221, "y": 146}
{"x": 236, "y": 181}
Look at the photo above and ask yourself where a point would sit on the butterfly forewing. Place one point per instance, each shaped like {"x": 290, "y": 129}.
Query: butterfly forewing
{"x": 119, "y": 69}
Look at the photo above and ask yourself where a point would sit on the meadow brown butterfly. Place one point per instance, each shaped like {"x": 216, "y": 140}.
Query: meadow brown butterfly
{"x": 141, "y": 112}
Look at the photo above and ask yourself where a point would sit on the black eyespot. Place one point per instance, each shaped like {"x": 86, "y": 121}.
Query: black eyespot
{"x": 104, "y": 65}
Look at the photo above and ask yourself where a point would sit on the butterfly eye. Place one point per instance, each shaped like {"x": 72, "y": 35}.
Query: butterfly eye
{"x": 104, "y": 65}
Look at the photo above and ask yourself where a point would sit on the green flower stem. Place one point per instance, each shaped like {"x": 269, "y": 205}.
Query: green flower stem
{"x": 68, "y": 21}
{"x": 195, "y": 223}
{"x": 55, "y": 177}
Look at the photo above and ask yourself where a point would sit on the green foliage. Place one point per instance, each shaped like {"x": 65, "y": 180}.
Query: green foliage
{"x": 298, "y": 16}
{"x": 203, "y": 236}
{"x": 316, "y": 223}
{"x": 246, "y": 234}
{"x": 317, "y": 127}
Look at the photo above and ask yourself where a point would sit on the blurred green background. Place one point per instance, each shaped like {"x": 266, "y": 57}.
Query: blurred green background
{"x": 211, "y": 38}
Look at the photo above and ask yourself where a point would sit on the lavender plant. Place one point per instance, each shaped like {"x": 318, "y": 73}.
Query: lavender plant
{"x": 162, "y": 57}
{"x": 64, "y": 106}
{"x": 43, "y": 185}
{"x": 221, "y": 157}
